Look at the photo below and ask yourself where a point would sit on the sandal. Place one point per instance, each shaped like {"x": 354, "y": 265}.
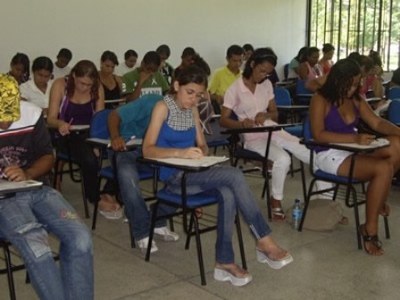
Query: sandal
{"x": 278, "y": 214}
{"x": 385, "y": 210}
{"x": 371, "y": 240}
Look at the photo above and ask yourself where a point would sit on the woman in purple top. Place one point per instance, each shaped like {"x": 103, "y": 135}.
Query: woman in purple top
{"x": 73, "y": 101}
{"x": 334, "y": 113}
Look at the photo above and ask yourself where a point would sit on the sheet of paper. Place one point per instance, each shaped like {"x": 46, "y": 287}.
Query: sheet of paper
{"x": 206, "y": 161}
{"x": 376, "y": 143}
{"x": 13, "y": 186}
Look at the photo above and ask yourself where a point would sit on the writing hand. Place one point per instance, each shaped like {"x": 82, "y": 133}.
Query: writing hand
{"x": 192, "y": 152}
{"x": 15, "y": 173}
{"x": 118, "y": 144}
{"x": 365, "y": 139}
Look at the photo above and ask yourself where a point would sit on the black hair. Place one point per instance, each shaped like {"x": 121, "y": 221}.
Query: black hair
{"x": 339, "y": 81}
{"x": 23, "y": 59}
{"x": 259, "y": 56}
{"x": 327, "y": 48}
{"x": 362, "y": 60}
{"x": 130, "y": 53}
{"x": 376, "y": 58}
{"x": 310, "y": 51}
{"x": 109, "y": 55}
{"x": 188, "y": 51}
{"x": 201, "y": 63}
{"x": 248, "y": 47}
{"x": 191, "y": 74}
{"x": 164, "y": 49}
{"x": 66, "y": 53}
{"x": 234, "y": 50}
{"x": 301, "y": 54}
{"x": 396, "y": 77}
{"x": 152, "y": 58}
{"x": 42, "y": 63}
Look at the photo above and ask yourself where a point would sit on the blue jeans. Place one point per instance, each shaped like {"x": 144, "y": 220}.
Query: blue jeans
{"x": 135, "y": 207}
{"x": 25, "y": 220}
{"x": 234, "y": 194}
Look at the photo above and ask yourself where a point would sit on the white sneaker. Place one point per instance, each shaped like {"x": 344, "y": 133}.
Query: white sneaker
{"x": 142, "y": 244}
{"x": 112, "y": 215}
{"x": 168, "y": 235}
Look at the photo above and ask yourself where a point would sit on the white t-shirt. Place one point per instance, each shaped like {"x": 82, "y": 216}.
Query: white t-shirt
{"x": 122, "y": 69}
{"x": 31, "y": 93}
{"x": 60, "y": 72}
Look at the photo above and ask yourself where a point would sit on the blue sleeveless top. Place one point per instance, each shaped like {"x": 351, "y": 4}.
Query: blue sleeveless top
{"x": 177, "y": 131}
{"x": 334, "y": 123}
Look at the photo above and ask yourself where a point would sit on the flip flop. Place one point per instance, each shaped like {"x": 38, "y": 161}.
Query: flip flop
{"x": 278, "y": 214}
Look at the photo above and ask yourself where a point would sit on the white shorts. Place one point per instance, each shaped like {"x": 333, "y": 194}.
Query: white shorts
{"x": 330, "y": 160}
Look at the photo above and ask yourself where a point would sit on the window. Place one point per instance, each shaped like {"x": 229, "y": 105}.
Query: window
{"x": 357, "y": 25}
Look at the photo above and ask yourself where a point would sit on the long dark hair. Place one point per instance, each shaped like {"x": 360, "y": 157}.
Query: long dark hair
{"x": 258, "y": 57}
{"x": 81, "y": 69}
{"x": 340, "y": 80}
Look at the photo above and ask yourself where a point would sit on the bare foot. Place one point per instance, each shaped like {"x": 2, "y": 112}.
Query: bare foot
{"x": 372, "y": 244}
{"x": 271, "y": 248}
{"x": 234, "y": 269}
{"x": 108, "y": 203}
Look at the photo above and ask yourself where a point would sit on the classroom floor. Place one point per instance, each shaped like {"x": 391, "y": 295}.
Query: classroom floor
{"x": 327, "y": 265}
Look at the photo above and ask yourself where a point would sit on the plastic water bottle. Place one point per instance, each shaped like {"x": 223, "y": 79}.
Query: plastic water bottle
{"x": 297, "y": 213}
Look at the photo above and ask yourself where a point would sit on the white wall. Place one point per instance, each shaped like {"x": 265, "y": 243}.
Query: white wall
{"x": 88, "y": 27}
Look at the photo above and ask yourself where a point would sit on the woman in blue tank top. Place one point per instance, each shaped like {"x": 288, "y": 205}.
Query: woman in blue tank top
{"x": 175, "y": 131}
{"x": 335, "y": 112}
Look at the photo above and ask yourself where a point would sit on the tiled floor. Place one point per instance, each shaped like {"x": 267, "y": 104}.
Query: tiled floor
{"x": 326, "y": 265}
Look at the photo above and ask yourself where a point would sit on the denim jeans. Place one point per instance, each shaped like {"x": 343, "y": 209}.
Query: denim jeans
{"x": 135, "y": 207}
{"x": 234, "y": 194}
{"x": 25, "y": 220}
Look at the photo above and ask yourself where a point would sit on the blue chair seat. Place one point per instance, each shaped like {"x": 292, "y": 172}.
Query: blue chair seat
{"x": 193, "y": 201}
{"x": 334, "y": 178}
{"x": 295, "y": 130}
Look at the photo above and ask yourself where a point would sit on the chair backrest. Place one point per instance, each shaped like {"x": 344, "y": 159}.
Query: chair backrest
{"x": 307, "y": 135}
{"x": 301, "y": 88}
{"x": 99, "y": 125}
{"x": 394, "y": 93}
{"x": 282, "y": 96}
{"x": 286, "y": 71}
{"x": 393, "y": 113}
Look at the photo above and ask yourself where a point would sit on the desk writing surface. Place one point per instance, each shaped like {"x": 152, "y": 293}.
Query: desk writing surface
{"x": 79, "y": 127}
{"x": 107, "y": 142}
{"x": 18, "y": 186}
{"x": 378, "y": 143}
{"x": 206, "y": 161}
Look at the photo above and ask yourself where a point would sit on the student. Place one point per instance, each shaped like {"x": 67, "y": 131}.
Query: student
{"x": 225, "y": 76}
{"x": 37, "y": 89}
{"x": 165, "y": 68}
{"x": 146, "y": 79}
{"x": 112, "y": 84}
{"x": 335, "y": 112}
{"x": 187, "y": 59}
{"x": 251, "y": 98}
{"x": 248, "y": 50}
{"x": 395, "y": 81}
{"x": 309, "y": 68}
{"x": 128, "y": 65}
{"x": 126, "y": 121}
{"x": 26, "y": 218}
{"x": 61, "y": 68}
{"x": 19, "y": 67}
{"x": 295, "y": 62}
{"x": 326, "y": 62}
{"x": 73, "y": 101}
{"x": 175, "y": 131}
